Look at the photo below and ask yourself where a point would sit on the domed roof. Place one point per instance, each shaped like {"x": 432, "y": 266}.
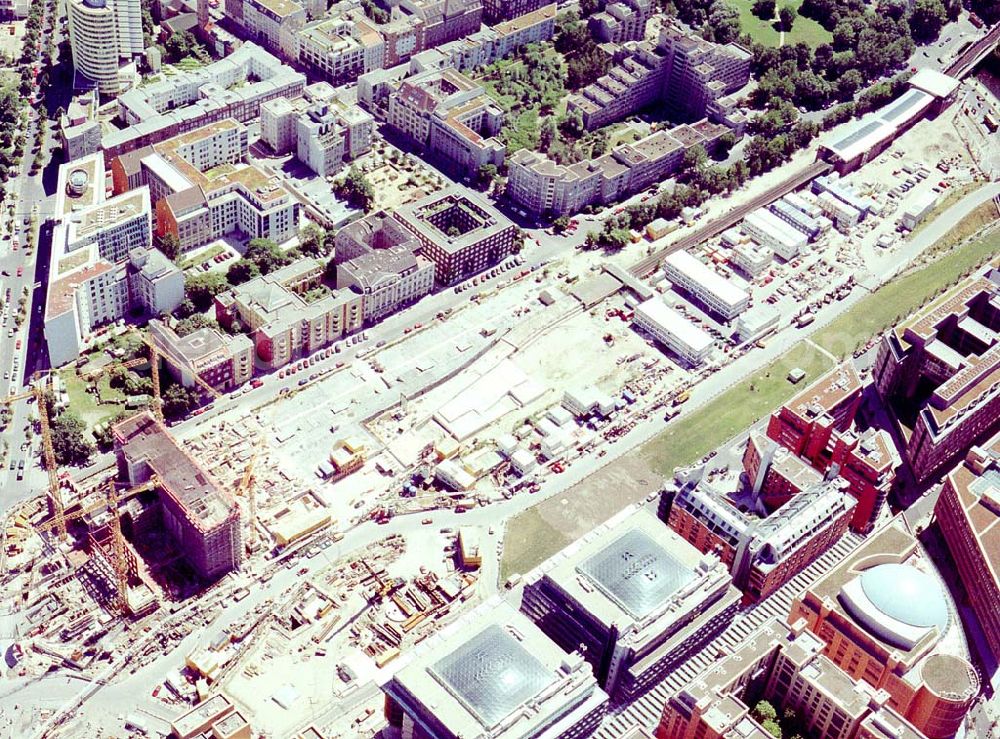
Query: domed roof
{"x": 907, "y": 595}
{"x": 897, "y": 603}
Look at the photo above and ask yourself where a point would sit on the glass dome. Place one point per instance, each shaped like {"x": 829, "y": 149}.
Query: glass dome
{"x": 906, "y": 594}
{"x": 897, "y": 603}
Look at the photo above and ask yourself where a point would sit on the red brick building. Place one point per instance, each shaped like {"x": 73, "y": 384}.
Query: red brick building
{"x": 885, "y": 617}
{"x": 939, "y": 371}
{"x": 816, "y": 426}
{"x": 968, "y": 516}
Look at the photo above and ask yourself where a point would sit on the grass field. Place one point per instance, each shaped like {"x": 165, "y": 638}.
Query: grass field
{"x": 954, "y": 194}
{"x": 543, "y": 530}
{"x": 805, "y": 30}
{"x": 692, "y": 437}
{"x": 901, "y": 296}
{"x": 85, "y": 404}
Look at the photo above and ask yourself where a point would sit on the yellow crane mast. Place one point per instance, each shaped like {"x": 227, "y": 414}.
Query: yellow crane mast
{"x": 55, "y": 494}
{"x": 118, "y": 550}
{"x": 248, "y": 488}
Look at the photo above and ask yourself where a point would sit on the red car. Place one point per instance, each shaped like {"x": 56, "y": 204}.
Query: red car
{"x": 257, "y": 383}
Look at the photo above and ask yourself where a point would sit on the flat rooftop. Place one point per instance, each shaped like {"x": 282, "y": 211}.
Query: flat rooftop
{"x": 700, "y": 274}
{"x": 143, "y": 438}
{"x": 633, "y": 571}
{"x": 979, "y": 496}
{"x": 492, "y": 673}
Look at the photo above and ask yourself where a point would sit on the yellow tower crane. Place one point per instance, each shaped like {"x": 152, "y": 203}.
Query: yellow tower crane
{"x": 55, "y": 494}
{"x": 118, "y": 563}
{"x": 248, "y": 488}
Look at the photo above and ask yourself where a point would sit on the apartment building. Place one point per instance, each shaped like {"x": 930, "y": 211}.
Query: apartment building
{"x": 634, "y": 595}
{"x": 699, "y": 72}
{"x": 13, "y": 9}
{"x": 493, "y": 673}
{"x": 938, "y": 371}
{"x": 274, "y": 24}
{"x": 763, "y": 550}
{"x": 495, "y": 11}
{"x": 379, "y": 259}
{"x": 768, "y": 229}
{"x": 233, "y": 87}
{"x": 449, "y": 115}
{"x": 198, "y": 513}
{"x": 785, "y": 666}
{"x": 442, "y": 21}
{"x": 203, "y": 189}
{"x": 621, "y": 21}
{"x": 635, "y": 82}
{"x": 818, "y": 426}
{"x": 79, "y": 129}
{"x": 545, "y": 188}
{"x": 341, "y": 48}
{"x": 101, "y": 264}
{"x": 796, "y": 218}
{"x": 328, "y": 135}
{"x": 751, "y": 258}
{"x": 713, "y": 291}
{"x": 489, "y": 44}
{"x": 460, "y": 231}
{"x": 886, "y": 619}
{"x": 103, "y": 34}
{"x": 968, "y": 517}
{"x": 284, "y": 315}
{"x": 223, "y": 361}
{"x": 687, "y": 73}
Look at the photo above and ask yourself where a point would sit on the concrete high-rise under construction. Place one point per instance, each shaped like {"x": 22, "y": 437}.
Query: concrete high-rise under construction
{"x": 202, "y": 517}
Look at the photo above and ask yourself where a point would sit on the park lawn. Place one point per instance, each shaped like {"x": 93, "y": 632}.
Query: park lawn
{"x": 690, "y": 438}
{"x": 529, "y": 541}
{"x": 805, "y": 30}
{"x": 901, "y": 296}
{"x": 85, "y": 405}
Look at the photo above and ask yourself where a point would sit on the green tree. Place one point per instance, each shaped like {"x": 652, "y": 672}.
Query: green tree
{"x": 772, "y": 728}
{"x": 355, "y": 188}
{"x": 169, "y": 245}
{"x": 559, "y": 224}
{"x": 242, "y": 271}
{"x": 764, "y": 9}
{"x": 485, "y": 176}
{"x": 201, "y": 288}
{"x": 786, "y": 18}
{"x": 69, "y": 441}
{"x": 193, "y": 323}
{"x": 312, "y": 241}
{"x": 267, "y": 255}
{"x": 764, "y": 711}
{"x": 724, "y": 145}
{"x": 178, "y": 401}
{"x": 926, "y": 20}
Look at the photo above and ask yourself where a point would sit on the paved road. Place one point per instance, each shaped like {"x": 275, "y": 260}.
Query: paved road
{"x": 28, "y": 191}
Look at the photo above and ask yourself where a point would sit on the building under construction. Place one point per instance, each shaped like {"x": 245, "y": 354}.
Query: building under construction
{"x": 202, "y": 517}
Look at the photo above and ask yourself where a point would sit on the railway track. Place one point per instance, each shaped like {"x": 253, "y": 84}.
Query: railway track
{"x": 647, "y": 265}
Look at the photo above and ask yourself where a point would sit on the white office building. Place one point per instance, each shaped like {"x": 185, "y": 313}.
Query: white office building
{"x": 751, "y": 258}
{"x": 844, "y": 215}
{"x": 102, "y": 264}
{"x": 677, "y": 333}
{"x": 101, "y": 34}
{"x": 769, "y": 230}
{"x": 713, "y": 291}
